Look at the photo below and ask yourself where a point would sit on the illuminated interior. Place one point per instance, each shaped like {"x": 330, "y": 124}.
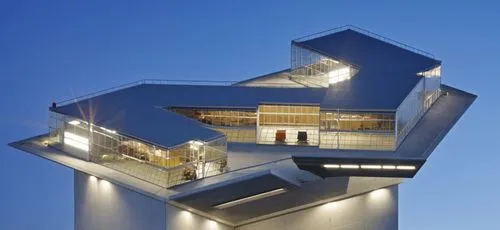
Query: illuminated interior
{"x": 165, "y": 166}
{"x": 239, "y": 125}
{"x": 301, "y": 125}
{"x": 418, "y": 101}
{"x": 315, "y": 70}
{"x": 288, "y": 124}
{"x": 357, "y": 130}
{"x": 220, "y": 117}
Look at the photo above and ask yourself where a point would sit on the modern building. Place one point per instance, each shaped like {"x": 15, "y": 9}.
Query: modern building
{"x": 323, "y": 144}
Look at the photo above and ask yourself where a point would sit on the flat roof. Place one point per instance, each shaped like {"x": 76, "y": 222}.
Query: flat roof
{"x": 139, "y": 111}
{"x": 387, "y": 72}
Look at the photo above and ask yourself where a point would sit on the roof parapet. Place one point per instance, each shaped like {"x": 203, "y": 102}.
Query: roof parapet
{"x": 143, "y": 82}
{"x": 367, "y": 33}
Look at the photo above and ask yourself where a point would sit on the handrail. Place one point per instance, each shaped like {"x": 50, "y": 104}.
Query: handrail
{"x": 368, "y": 33}
{"x": 142, "y": 82}
{"x": 165, "y": 82}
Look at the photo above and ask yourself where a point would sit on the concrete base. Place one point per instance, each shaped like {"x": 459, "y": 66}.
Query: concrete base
{"x": 376, "y": 210}
{"x": 100, "y": 204}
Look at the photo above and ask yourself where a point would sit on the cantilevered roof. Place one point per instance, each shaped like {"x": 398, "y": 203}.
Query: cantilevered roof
{"x": 139, "y": 111}
{"x": 387, "y": 72}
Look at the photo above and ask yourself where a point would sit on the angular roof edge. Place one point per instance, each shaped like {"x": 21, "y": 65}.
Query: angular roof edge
{"x": 367, "y": 33}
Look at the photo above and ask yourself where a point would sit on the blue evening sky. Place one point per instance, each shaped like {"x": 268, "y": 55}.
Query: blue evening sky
{"x": 52, "y": 50}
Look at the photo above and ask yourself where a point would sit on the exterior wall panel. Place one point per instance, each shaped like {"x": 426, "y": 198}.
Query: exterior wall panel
{"x": 372, "y": 211}
{"x": 102, "y": 205}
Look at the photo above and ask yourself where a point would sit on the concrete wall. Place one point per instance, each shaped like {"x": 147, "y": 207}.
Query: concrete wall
{"x": 178, "y": 219}
{"x": 102, "y": 205}
{"x": 372, "y": 211}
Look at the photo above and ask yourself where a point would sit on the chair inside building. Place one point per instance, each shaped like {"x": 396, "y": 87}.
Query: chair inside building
{"x": 302, "y": 137}
{"x": 280, "y": 136}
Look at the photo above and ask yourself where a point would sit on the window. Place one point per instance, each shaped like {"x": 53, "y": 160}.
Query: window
{"x": 220, "y": 117}
{"x": 315, "y": 70}
{"x": 288, "y": 124}
{"x": 357, "y": 121}
{"x": 357, "y": 130}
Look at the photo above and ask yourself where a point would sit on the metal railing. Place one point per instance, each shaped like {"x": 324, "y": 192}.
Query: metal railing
{"x": 368, "y": 33}
{"x": 142, "y": 82}
{"x": 170, "y": 82}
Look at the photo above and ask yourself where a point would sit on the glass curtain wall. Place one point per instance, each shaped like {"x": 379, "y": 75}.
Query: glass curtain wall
{"x": 288, "y": 124}
{"x": 418, "y": 101}
{"x": 357, "y": 130}
{"x": 315, "y": 70}
{"x": 239, "y": 125}
{"x": 220, "y": 117}
{"x": 163, "y": 166}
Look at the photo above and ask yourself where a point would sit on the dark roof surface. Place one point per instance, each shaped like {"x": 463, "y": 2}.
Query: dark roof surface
{"x": 139, "y": 112}
{"x": 387, "y": 73}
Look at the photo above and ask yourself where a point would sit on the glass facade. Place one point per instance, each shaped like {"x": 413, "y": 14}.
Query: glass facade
{"x": 356, "y": 140}
{"x": 418, "y": 101}
{"x": 357, "y": 121}
{"x": 220, "y": 117}
{"x": 289, "y": 115}
{"x": 163, "y": 166}
{"x": 315, "y": 70}
{"x": 238, "y": 134}
{"x": 357, "y": 130}
{"x": 288, "y": 124}
{"x": 238, "y": 125}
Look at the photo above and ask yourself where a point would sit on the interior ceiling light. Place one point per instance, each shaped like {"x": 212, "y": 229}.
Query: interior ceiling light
{"x": 74, "y": 122}
{"x": 76, "y": 141}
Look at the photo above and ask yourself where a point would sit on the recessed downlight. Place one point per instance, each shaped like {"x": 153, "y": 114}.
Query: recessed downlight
{"x": 371, "y": 166}
{"x": 331, "y": 166}
{"x": 350, "y": 166}
{"x": 406, "y": 167}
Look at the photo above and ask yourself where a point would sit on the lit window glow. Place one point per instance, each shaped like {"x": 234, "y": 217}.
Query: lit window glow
{"x": 339, "y": 75}
{"x": 196, "y": 143}
{"x": 250, "y": 198}
{"x": 108, "y": 130}
{"x": 74, "y": 122}
{"x": 76, "y": 141}
{"x": 436, "y": 72}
